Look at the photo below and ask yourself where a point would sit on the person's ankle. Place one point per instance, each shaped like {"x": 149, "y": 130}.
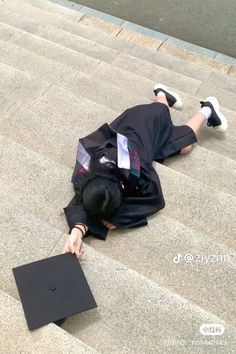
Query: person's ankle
{"x": 163, "y": 100}
{"x": 206, "y": 111}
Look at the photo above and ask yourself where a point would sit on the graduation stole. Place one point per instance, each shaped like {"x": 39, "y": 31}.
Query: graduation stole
{"x": 134, "y": 165}
{"x": 128, "y": 159}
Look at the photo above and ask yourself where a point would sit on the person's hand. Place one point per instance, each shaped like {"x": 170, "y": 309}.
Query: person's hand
{"x": 74, "y": 243}
{"x": 108, "y": 225}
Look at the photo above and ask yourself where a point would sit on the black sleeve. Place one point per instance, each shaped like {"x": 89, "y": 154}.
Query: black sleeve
{"x": 147, "y": 201}
{"x": 75, "y": 213}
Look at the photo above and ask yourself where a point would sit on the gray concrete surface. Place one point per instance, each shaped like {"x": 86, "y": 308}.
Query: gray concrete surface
{"x": 148, "y": 298}
{"x": 207, "y": 23}
{"x": 16, "y": 338}
{"x": 157, "y": 312}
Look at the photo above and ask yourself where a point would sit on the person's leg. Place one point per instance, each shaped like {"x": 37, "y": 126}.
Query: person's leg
{"x": 162, "y": 99}
{"x": 196, "y": 123}
{"x": 209, "y": 113}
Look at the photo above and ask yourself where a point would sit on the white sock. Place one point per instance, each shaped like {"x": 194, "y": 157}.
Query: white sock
{"x": 161, "y": 94}
{"x": 206, "y": 111}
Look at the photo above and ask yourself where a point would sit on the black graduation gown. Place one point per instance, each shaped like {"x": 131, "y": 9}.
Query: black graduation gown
{"x": 152, "y": 137}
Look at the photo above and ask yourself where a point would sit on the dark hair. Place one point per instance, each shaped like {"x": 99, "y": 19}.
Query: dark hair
{"x": 100, "y": 192}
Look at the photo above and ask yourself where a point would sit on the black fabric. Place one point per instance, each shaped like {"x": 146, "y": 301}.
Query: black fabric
{"x": 60, "y": 322}
{"x": 150, "y": 130}
{"x": 99, "y": 138}
{"x": 75, "y": 213}
{"x": 142, "y": 202}
{"x": 52, "y": 289}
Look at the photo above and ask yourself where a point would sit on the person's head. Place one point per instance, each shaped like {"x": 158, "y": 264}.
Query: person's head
{"x": 101, "y": 193}
{"x": 101, "y": 197}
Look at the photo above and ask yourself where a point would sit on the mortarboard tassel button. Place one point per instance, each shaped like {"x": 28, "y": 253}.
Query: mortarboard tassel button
{"x": 53, "y": 287}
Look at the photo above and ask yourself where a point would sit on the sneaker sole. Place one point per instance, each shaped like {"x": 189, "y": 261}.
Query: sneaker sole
{"x": 178, "y": 104}
{"x": 224, "y": 124}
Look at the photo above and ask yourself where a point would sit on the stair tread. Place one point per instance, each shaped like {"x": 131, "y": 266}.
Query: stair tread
{"x": 162, "y": 57}
{"x": 56, "y": 51}
{"x": 21, "y": 85}
{"x": 74, "y": 82}
{"x": 213, "y": 160}
{"x": 165, "y": 71}
{"x": 29, "y": 128}
{"x": 48, "y": 55}
{"x": 181, "y": 204}
{"x": 225, "y": 99}
{"x": 99, "y": 270}
{"x": 80, "y": 44}
{"x": 157, "y": 245}
{"x": 40, "y": 10}
{"x": 15, "y": 336}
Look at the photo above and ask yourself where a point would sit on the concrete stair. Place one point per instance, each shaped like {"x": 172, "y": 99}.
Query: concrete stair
{"x": 133, "y": 317}
{"x": 16, "y": 338}
{"x": 61, "y": 78}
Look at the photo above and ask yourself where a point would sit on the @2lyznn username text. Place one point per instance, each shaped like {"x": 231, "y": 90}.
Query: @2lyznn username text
{"x": 203, "y": 258}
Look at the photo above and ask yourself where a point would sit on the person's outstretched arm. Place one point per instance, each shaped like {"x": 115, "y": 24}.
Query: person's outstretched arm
{"x": 74, "y": 242}
{"x": 75, "y": 214}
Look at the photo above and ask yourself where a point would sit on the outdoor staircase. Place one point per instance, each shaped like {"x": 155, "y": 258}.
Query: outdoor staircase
{"x": 62, "y": 75}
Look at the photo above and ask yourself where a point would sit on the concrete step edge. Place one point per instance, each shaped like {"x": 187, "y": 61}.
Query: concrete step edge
{"x": 201, "y": 151}
{"x": 156, "y": 165}
{"x": 163, "y": 68}
{"x": 47, "y": 337}
{"x": 114, "y": 264}
{"x": 186, "y": 94}
{"x": 92, "y": 73}
{"x": 198, "y": 148}
{"x": 71, "y": 90}
{"x": 37, "y": 79}
{"x": 97, "y": 19}
{"x": 179, "y": 305}
{"x": 60, "y": 237}
{"x": 51, "y": 6}
{"x": 44, "y": 7}
{"x": 69, "y": 50}
{"x": 167, "y": 173}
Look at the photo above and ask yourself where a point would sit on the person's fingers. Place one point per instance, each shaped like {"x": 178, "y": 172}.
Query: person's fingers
{"x": 79, "y": 253}
{"x": 110, "y": 226}
{"x": 71, "y": 246}
{"x": 66, "y": 248}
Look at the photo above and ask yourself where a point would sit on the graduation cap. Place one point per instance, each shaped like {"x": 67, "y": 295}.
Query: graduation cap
{"x": 52, "y": 289}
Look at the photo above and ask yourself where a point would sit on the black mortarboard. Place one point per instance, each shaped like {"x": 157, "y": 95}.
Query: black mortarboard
{"x": 52, "y": 289}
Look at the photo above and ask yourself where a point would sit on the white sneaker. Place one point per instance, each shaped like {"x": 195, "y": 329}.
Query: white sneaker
{"x": 217, "y": 120}
{"x": 172, "y": 98}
